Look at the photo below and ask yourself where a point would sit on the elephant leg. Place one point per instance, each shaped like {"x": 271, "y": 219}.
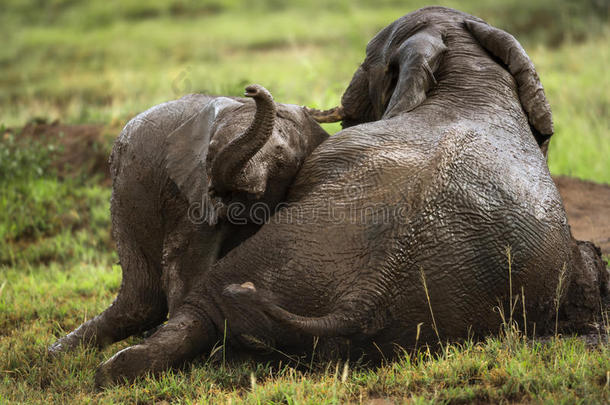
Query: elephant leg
{"x": 583, "y": 302}
{"x": 186, "y": 335}
{"x": 140, "y": 304}
{"x": 189, "y": 249}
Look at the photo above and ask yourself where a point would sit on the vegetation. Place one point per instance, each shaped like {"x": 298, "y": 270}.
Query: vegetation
{"x": 105, "y": 61}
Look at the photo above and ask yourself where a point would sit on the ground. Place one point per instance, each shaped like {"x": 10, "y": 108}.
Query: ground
{"x": 588, "y": 208}
{"x": 73, "y": 73}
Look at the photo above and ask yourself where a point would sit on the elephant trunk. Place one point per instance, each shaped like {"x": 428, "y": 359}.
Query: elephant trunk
{"x": 335, "y": 114}
{"x": 232, "y": 159}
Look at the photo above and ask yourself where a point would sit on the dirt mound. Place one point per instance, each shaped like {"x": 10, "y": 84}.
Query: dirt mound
{"x": 588, "y": 208}
{"x": 87, "y": 147}
{"x": 81, "y": 148}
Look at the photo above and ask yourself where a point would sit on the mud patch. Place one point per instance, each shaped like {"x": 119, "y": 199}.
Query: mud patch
{"x": 588, "y": 208}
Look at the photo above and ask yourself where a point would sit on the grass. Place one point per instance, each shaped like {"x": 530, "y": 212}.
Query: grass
{"x": 105, "y": 61}
{"x": 508, "y": 368}
{"x": 39, "y": 302}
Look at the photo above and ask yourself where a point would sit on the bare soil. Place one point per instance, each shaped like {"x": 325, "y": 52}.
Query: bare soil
{"x": 86, "y": 147}
{"x": 588, "y": 208}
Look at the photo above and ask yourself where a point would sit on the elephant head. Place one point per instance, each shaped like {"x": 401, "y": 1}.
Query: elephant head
{"x": 404, "y": 61}
{"x": 241, "y": 151}
{"x": 230, "y": 163}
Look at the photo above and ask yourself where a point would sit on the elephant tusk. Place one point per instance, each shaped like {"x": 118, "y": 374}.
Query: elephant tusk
{"x": 326, "y": 116}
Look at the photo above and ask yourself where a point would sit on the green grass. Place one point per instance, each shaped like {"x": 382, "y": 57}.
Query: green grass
{"x": 105, "y": 61}
{"x": 576, "y": 81}
{"x": 42, "y": 302}
{"x": 42, "y": 218}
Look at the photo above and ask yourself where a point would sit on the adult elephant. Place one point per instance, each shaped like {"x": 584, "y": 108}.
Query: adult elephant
{"x": 445, "y": 176}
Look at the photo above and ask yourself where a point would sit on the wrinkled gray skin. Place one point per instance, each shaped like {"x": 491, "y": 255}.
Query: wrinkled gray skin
{"x": 164, "y": 164}
{"x": 441, "y": 175}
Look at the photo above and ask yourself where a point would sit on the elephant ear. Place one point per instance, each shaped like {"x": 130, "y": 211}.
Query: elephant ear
{"x": 187, "y": 149}
{"x": 355, "y": 102}
{"x": 413, "y": 66}
{"x": 531, "y": 94}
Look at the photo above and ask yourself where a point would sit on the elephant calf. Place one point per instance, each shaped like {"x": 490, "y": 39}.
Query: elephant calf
{"x": 166, "y": 162}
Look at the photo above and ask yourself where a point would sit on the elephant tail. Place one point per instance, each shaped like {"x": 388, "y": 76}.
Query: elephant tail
{"x": 334, "y": 324}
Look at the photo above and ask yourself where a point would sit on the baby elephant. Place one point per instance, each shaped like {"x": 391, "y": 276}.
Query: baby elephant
{"x": 165, "y": 165}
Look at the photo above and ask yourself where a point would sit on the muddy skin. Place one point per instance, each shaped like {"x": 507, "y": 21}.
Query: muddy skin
{"x": 168, "y": 160}
{"x": 443, "y": 171}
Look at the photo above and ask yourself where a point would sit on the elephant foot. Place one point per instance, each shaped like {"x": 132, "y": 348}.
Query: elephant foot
{"x": 116, "y": 323}
{"x": 180, "y": 340}
{"x": 126, "y": 365}
{"x": 87, "y": 334}
{"x": 588, "y": 290}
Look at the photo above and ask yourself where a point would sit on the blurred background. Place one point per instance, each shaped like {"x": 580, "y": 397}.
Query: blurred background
{"x": 73, "y": 72}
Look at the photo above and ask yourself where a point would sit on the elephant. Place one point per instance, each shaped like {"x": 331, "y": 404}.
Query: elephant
{"x": 431, "y": 210}
{"x": 165, "y": 165}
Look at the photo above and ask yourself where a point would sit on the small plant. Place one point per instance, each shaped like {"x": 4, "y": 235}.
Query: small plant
{"x": 559, "y": 290}
{"x": 510, "y": 330}
{"x": 423, "y": 280}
